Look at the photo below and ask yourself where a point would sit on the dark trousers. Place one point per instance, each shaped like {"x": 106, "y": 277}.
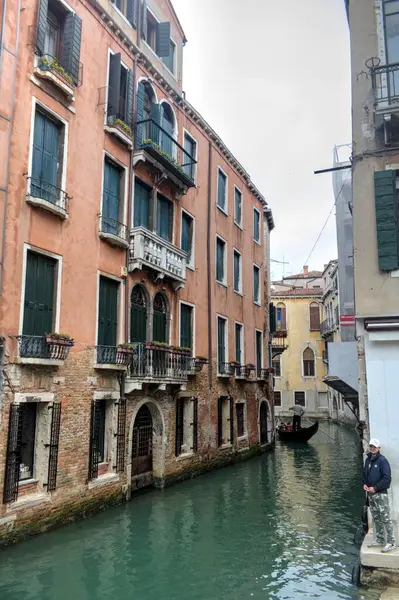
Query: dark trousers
{"x": 297, "y": 422}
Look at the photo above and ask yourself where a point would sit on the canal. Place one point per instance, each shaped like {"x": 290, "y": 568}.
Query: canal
{"x": 278, "y": 526}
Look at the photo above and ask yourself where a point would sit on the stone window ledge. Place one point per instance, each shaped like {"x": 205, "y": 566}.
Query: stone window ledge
{"x": 110, "y": 367}
{"x": 44, "y": 362}
{"x": 227, "y": 446}
{"x": 244, "y": 449}
{"x": 123, "y": 137}
{"x": 103, "y": 480}
{"x": 242, "y": 438}
{"x": 29, "y": 501}
{"x": 51, "y": 207}
{"x": 185, "y": 456}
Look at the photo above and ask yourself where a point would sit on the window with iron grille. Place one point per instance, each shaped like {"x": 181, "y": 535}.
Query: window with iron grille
{"x": 300, "y": 398}
{"x": 277, "y": 398}
{"x": 308, "y": 363}
{"x": 222, "y": 190}
{"x": 225, "y": 420}
{"x": 186, "y": 426}
{"x": 277, "y": 366}
{"x": 240, "y": 413}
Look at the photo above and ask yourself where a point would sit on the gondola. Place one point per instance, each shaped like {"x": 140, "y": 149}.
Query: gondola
{"x": 301, "y": 435}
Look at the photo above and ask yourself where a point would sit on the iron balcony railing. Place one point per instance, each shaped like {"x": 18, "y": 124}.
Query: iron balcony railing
{"x": 121, "y": 122}
{"x": 328, "y": 326}
{"x": 385, "y": 82}
{"x": 159, "y": 363}
{"x": 112, "y": 227}
{"x": 33, "y": 346}
{"x": 39, "y": 188}
{"x": 158, "y": 142}
{"x": 226, "y": 369}
{"x": 71, "y": 73}
{"x": 112, "y": 355}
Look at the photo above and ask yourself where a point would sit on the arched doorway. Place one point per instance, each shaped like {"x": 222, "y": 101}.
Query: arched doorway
{"x": 142, "y": 442}
{"x": 138, "y": 315}
{"x": 160, "y": 326}
{"x": 263, "y": 423}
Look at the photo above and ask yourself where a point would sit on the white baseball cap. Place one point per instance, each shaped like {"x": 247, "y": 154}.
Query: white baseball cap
{"x": 375, "y": 442}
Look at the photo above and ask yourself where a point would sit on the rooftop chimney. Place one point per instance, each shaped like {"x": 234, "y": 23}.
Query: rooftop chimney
{"x": 306, "y": 269}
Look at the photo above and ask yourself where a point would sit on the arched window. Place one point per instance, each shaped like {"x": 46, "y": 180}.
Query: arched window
{"x": 281, "y": 317}
{"x": 314, "y": 316}
{"x": 147, "y": 109}
{"x": 160, "y": 322}
{"x": 138, "y": 315}
{"x": 308, "y": 363}
{"x": 168, "y": 125}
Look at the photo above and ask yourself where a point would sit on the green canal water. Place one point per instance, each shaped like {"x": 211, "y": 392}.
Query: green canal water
{"x": 278, "y": 526}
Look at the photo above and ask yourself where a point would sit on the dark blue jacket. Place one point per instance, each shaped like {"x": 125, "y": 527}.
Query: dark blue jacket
{"x": 377, "y": 472}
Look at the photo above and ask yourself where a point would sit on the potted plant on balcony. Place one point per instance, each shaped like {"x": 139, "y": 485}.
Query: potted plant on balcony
{"x": 62, "y": 339}
{"x": 125, "y": 348}
{"x": 157, "y": 346}
{"x": 249, "y": 367}
{"x": 199, "y": 362}
{"x": 120, "y": 124}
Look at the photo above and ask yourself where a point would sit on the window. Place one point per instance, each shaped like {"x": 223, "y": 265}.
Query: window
{"x": 222, "y": 344}
{"x": 222, "y": 190}
{"x": 239, "y": 343}
{"x": 300, "y": 398}
{"x": 107, "y": 318}
{"x": 281, "y": 315}
{"x": 259, "y": 352}
{"x": 277, "y": 398}
{"x": 28, "y": 436}
{"x": 112, "y": 215}
{"x": 160, "y": 328}
{"x": 256, "y": 285}
{"x": 101, "y": 430}
{"x": 256, "y": 225}
{"x": 314, "y": 316}
{"x": 237, "y": 265}
{"x": 237, "y": 207}
{"x": 190, "y": 147}
{"x": 142, "y": 204}
{"x": 187, "y": 237}
{"x": 308, "y": 363}
{"x": 240, "y": 414}
{"x": 225, "y": 420}
{"x": 166, "y": 140}
{"x": 186, "y": 326}
{"x": 147, "y": 109}
{"x": 157, "y": 36}
{"x": 39, "y": 301}
{"x": 276, "y": 363}
{"x": 391, "y": 10}
{"x": 47, "y": 158}
{"x": 220, "y": 260}
{"x": 164, "y": 218}
{"x": 138, "y": 315}
{"x": 120, "y": 91}
{"x": 186, "y": 426}
{"x": 107, "y": 446}
{"x": 129, "y": 8}
{"x": 169, "y": 61}
{"x": 58, "y": 37}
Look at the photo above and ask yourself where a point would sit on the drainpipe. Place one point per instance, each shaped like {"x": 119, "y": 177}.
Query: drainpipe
{"x": 209, "y": 277}
{"x": 130, "y": 198}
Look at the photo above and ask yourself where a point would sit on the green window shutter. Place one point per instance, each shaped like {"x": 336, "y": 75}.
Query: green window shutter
{"x": 39, "y": 295}
{"x": 155, "y": 123}
{"x": 132, "y": 10}
{"x": 37, "y": 154}
{"x": 142, "y": 204}
{"x": 114, "y": 84}
{"x": 72, "y": 43}
{"x": 163, "y": 39}
{"x": 221, "y": 190}
{"x": 164, "y": 218}
{"x": 237, "y": 274}
{"x": 256, "y": 285}
{"x": 386, "y": 212}
{"x": 186, "y": 337}
{"x": 166, "y": 139}
{"x": 129, "y": 98}
{"x": 111, "y": 198}
{"x": 238, "y": 343}
{"x": 220, "y": 250}
{"x": 41, "y": 25}
{"x": 51, "y": 152}
{"x": 138, "y": 324}
{"x": 258, "y": 352}
{"x": 221, "y": 343}
{"x": 108, "y": 312}
{"x": 144, "y": 20}
{"x": 45, "y": 158}
{"x": 272, "y": 317}
{"x": 159, "y": 327}
{"x": 256, "y": 226}
{"x": 140, "y": 130}
{"x": 237, "y": 206}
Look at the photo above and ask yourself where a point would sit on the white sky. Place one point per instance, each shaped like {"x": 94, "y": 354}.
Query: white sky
{"x": 273, "y": 80}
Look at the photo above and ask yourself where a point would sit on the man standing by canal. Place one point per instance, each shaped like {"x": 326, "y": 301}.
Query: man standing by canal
{"x": 377, "y": 479}
{"x": 298, "y": 413}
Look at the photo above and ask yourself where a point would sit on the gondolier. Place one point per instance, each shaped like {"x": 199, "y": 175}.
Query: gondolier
{"x": 298, "y": 413}
{"x": 377, "y": 480}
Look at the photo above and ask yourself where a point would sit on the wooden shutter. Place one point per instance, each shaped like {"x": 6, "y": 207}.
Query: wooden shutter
{"x": 258, "y": 352}
{"x": 256, "y": 226}
{"x": 283, "y": 318}
{"x": 386, "y": 213}
{"x": 132, "y": 10}
{"x": 195, "y": 424}
{"x": 221, "y": 343}
{"x": 142, "y": 203}
{"x": 138, "y": 323}
{"x": 231, "y": 420}
{"x": 186, "y": 326}
{"x": 111, "y": 198}
{"x": 220, "y": 421}
{"x": 221, "y": 190}
{"x": 256, "y": 285}
{"x": 45, "y": 158}
{"x": 41, "y": 25}
{"x": 53, "y": 446}
{"x": 144, "y": 20}
{"x": 163, "y": 39}
{"x": 129, "y": 97}
{"x": 121, "y": 436}
{"x": 238, "y": 343}
{"x": 179, "y": 425}
{"x": 237, "y": 197}
{"x": 164, "y": 218}
{"x": 37, "y": 154}
{"x": 114, "y": 84}
{"x": 13, "y": 456}
{"x": 185, "y": 232}
{"x": 156, "y": 123}
{"x": 39, "y": 294}
{"x": 220, "y": 248}
{"x": 51, "y": 154}
{"x": 107, "y": 313}
{"x": 94, "y": 440}
{"x": 140, "y": 129}
{"x": 72, "y": 43}
{"x": 272, "y": 317}
{"x": 159, "y": 329}
{"x": 314, "y": 312}
{"x": 236, "y": 272}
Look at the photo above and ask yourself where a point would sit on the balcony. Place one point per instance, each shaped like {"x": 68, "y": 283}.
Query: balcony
{"x": 226, "y": 370}
{"x": 48, "y": 197}
{"x": 328, "y": 327}
{"x": 162, "y": 150}
{"x": 385, "y": 82}
{"x": 279, "y": 343}
{"x": 158, "y": 364}
{"x": 113, "y": 232}
{"x": 147, "y": 250}
{"x": 114, "y": 358}
{"x": 120, "y": 129}
{"x": 43, "y": 350}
